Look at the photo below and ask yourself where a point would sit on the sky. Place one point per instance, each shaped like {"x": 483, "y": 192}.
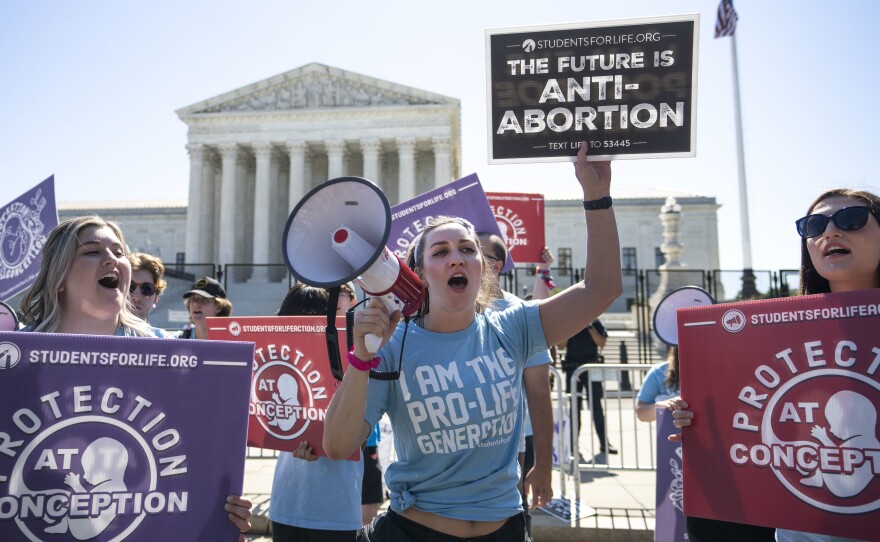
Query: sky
{"x": 89, "y": 89}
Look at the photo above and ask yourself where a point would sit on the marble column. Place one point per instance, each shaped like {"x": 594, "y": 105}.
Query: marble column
{"x": 442, "y": 161}
{"x": 297, "y": 183}
{"x": 262, "y": 210}
{"x": 226, "y": 252}
{"x": 372, "y": 167}
{"x": 195, "y": 237}
{"x": 335, "y": 158}
{"x": 210, "y": 186}
{"x": 406, "y": 151}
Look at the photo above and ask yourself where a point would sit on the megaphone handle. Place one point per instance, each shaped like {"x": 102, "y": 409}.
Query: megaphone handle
{"x": 372, "y": 342}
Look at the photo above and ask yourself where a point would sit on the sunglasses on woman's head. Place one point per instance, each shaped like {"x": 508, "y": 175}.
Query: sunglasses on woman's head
{"x": 146, "y": 288}
{"x": 846, "y": 219}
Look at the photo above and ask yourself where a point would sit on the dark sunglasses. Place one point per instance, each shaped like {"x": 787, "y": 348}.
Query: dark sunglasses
{"x": 146, "y": 288}
{"x": 846, "y": 219}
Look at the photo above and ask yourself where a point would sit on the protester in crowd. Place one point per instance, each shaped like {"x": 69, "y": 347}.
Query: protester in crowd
{"x": 147, "y": 284}
{"x": 206, "y": 298}
{"x": 82, "y": 289}
{"x": 536, "y": 375}
{"x": 583, "y": 348}
{"x": 314, "y": 499}
{"x": 840, "y": 252}
{"x": 372, "y": 495}
{"x": 660, "y": 385}
{"x": 456, "y": 473}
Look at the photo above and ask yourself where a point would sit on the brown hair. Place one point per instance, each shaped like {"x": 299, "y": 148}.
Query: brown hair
{"x": 672, "y": 381}
{"x": 811, "y": 281}
{"x": 152, "y": 264}
{"x": 416, "y": 254}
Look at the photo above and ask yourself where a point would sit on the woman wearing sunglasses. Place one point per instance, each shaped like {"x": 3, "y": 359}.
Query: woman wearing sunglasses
{"x": 147, "y": 284}
{"x": 82, "y": 288}
{"x": 840, "y": 252}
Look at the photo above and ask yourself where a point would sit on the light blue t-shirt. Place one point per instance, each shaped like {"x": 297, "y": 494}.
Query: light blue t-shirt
{"x": 322, "y": 494}
{"x": 541, "y": 358}
{"x": 654, "y": 387}
{"x": 456, "y": 414}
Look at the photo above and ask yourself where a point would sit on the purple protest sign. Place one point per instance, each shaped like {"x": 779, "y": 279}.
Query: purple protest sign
{"x": 463, "y": 198}
{"x": 670, "y": 524}
{"x": 120, "y": 438}
{"x": 24, "y": 224}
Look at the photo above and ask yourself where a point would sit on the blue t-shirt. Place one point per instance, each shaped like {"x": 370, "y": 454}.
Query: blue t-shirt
{"x": 322, "y": 494}
{"x": 541, "y": 358}
{"x": 654, "y": 387}
{"x": 375, "y": 436}
{"x": 456, "y": 414}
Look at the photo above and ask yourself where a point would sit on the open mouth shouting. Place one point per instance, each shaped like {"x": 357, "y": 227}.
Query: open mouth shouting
{"x": 109, "y": 281}
{"x": 833, "y": 250}
{"x": 458, "y": 282}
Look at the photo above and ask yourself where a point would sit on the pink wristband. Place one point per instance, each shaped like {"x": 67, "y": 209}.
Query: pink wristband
{"x": 361, "y": 365}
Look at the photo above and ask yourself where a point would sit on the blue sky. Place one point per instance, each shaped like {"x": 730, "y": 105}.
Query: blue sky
{"x": 89, "y": 91}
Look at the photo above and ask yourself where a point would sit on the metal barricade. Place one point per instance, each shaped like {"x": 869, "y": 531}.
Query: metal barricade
{"x": 635, "y": 440}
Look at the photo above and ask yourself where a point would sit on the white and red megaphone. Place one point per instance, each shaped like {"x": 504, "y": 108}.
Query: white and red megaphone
{"x": 666, "y": 317}
{"x": 337, "y": 233}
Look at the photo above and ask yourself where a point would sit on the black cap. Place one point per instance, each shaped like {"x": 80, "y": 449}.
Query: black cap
{"x": 206, "y": 287}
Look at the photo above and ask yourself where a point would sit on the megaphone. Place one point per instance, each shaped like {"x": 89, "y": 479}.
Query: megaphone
{"x": 665, "y": 320}
{"x": 337, "y": 233}
{"x": 8, "y": 318}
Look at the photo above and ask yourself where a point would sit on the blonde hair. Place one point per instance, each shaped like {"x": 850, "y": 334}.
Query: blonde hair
{"x": 40, "y": 305}
{"x": 151, "y": 264}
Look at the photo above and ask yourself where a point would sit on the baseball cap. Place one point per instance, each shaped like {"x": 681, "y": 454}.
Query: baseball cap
{"x": 206, "y": 287}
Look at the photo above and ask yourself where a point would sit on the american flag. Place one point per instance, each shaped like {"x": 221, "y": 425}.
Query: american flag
{"x": 725, "y": 25}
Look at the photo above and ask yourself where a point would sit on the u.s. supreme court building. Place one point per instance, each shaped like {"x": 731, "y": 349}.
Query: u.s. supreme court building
{"x": 255, "y": 151}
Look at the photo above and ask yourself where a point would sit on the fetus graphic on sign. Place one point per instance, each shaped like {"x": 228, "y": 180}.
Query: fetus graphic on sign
{"x": 857, "y": 434}
{"x": 103, "y": 466}
{"x": 287, "y": 395}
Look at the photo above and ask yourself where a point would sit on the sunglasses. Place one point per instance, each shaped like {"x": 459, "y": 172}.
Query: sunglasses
{"x": 846, "y": 219}
{"x": 146, "y": 289}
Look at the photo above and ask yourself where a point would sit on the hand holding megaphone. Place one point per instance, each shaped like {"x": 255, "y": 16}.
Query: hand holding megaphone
{"x": 373, "y": 326}
{"x": 337, "y": 233}
{"x": 387, "y": 280}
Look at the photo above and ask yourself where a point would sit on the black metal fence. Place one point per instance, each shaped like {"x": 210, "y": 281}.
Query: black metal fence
{"x": 259, "y": 289}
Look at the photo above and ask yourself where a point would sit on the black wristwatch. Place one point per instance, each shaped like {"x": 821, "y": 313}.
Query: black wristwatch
{"x": 596, "y": 204}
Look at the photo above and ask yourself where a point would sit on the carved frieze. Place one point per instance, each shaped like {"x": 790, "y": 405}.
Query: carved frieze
{"x": 315, "y": 91}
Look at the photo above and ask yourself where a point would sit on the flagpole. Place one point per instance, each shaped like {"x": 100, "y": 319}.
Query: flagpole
{"x": 748, "y": 275}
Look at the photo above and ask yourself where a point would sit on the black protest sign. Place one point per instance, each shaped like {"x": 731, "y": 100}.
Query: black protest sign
{"x": 628, "y": 87}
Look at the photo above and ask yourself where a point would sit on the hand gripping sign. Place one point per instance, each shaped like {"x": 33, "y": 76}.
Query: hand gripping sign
{"x": 785, "y": 394}
{"x": 120, "y": 438}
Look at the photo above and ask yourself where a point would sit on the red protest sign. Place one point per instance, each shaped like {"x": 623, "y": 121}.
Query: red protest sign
{"x": 520, "y": 218}
{"x": 785, "y": 395}
{"x": 292, "y": 385}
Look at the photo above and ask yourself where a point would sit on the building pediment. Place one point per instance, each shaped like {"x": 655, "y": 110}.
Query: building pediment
{"x": 315, "y": 86}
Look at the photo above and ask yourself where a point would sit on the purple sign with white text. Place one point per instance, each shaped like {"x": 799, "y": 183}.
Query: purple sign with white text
{"x": 670, "y": 524}
{"x": 120, "y": 438}
{"x": 24, "y": 225}
{"x": 463, "y": 198}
